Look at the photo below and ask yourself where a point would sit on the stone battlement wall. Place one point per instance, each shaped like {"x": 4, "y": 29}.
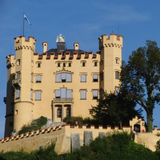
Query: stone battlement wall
{"x": 60, "y": 135}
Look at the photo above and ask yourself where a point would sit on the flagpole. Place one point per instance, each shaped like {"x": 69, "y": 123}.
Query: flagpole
{"x": 23, "y": 24}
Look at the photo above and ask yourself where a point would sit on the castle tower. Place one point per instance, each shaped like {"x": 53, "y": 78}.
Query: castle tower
{"x": 110, "y": 62}
{"x": 21, "y": 82}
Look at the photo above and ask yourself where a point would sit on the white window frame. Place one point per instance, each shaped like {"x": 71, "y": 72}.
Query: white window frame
{"x": 38, "y": 95}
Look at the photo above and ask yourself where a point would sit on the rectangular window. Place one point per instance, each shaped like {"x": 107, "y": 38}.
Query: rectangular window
{"x": 18, "y": 75}
{"x": 57, "y": 93}
{"x": 63, "y": 77}
{"x": 117, "y": 75}
{"x": 101, "y": 76}
{"x": 69, "y": 77}
{"x": 38, "y": 79}
{"x": 31, "y": 77}
{"x": 117, "y": 90}
{"x": 59, "y": 113}
{"x": 83, "y": 94}
{"x": 83, "y": 78}
{"x": 95, "y": 94}
{"x": 31, "y": 94}
{"x": 38, "y": 95}
{"x": 95, "y": 78}
{"x": 17, "y": 94}
{"x": 63, "y": 92}
{"x": 69, "y": 93}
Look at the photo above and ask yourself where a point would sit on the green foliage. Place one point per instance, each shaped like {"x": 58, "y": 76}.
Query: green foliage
{"x": 73, "y": 120}
{"x": 115, "y": 109}
{"x": 140, "y": 76}
{"x": 115, "y": 147}
{"x": 36, "y": 124}
{"x": 158, "y": 146}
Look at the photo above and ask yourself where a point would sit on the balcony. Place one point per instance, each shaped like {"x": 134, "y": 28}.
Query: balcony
{"x": 16, "y": 83}
{"x": 62, "y": 100}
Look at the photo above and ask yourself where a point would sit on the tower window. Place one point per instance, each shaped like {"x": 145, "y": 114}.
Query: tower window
{"x": 39, "y": 65}
{"x": 31, "y": 77}
{"x": 18, "y": 62}
{"x": 17, "y": 94}
{"x": 117, "y": 75}
{"x": 64, "y": 64}
{"x": 95, "y": 64}
{"x": 83, "y": 64}
{"x": 69, "y": 64}
{"x": 31, "y": 94}
{"x": 117, "y": 60}
{"x": 18, "y": 75}
{"x": 58, "y": 64}
{"x": 38, "y": 79}
{"x": 38, "y": 95}
{"x": 117, "y": 90}
{"x": 90, "y": 111}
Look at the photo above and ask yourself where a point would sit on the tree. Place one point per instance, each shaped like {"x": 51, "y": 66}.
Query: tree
{"x": 115, "y": 109}
{"x": 141, "y": 77}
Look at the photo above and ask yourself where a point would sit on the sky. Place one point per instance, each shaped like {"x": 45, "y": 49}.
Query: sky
{"x": 80, "y": 21}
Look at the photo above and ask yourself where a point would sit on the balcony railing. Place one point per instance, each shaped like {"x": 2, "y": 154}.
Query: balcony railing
{"x": 16, "y": 83}
{"x": 63, "y": 100}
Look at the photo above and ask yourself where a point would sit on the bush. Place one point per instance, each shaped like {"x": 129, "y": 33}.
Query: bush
{"x": 35, "y": 124}
{"x": 72, "y": 120}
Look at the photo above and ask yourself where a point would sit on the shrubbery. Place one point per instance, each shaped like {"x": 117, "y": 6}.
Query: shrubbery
{"x": 115, "y": 147}
{"x": 36, "y": 124}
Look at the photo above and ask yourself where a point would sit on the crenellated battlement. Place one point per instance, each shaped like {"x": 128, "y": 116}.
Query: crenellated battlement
{"x": 22, "y": 43}
{"x": 113, "y": 41}
{"x": 67, "y": 55}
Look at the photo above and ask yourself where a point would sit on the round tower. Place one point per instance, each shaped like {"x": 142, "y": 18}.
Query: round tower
{"x": 23, "y": 105}
{"x": 110, "y": 62}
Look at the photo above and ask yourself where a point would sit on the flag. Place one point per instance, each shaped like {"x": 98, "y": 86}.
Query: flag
{"x": 25, "y": 18}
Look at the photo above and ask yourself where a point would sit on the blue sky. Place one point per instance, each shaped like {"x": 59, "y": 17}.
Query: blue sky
{"x": 80, "y": 21}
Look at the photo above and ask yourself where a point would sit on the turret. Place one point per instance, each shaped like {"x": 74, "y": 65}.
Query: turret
{"x": 110, "y": 61}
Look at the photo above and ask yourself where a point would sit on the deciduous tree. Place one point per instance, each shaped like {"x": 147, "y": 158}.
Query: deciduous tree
{"x": 141, "y": 77}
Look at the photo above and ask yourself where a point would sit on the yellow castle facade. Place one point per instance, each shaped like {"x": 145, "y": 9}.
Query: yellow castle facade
{"x": 59, "y": 82}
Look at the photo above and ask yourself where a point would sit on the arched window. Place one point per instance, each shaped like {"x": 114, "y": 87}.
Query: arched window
{"x": 68, "y": 112}
{"x": 58, "y": 112}
{"x": 64, "y": 77}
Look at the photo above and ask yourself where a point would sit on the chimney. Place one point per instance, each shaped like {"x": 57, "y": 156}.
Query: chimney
{"x": 76, "y": 46}
{"x": 45, "y": 44}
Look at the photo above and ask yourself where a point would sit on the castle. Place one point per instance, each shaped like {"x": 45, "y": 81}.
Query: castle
{"x": 59, "y": 82}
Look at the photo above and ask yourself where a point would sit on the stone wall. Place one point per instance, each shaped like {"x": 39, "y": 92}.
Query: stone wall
{"x": 65, "y": 137}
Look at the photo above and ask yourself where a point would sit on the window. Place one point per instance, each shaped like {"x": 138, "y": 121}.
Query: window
{"x": 18, "y": 75}
{"x": 64, "y": 77}
{"x": 58, "y": 64}
{"x": 95, "y": 94}
{"x": 58, "y": 112}
{"x": 31, "y": 94}
{"x": 117, "y": 60}
{"x": 17, "y": 94}
{"x": 38, "y": 79}
{"x": 117, "y": 75}
{"x": 69, "y": 64}
{"x": 39, "y": 65}
{"x": 83, "y": 64}
{"x": 90, "y": 112}
{"x": 18, "y": 62}
{"x": 83, "y": 94}
{"x": 38, "y": 95}
{"x": 63, "y": 93}
{"x": 31, "y": 77}
{"x": 68, "y": 112}
{"x": 117, "y": 90}
{"x": 83, "y": 78}
{"x": 95, "y": 64}
{"x": 95, "y": 78}
{"x": 16, "y": 111}
{"x": 64, "y": 64}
